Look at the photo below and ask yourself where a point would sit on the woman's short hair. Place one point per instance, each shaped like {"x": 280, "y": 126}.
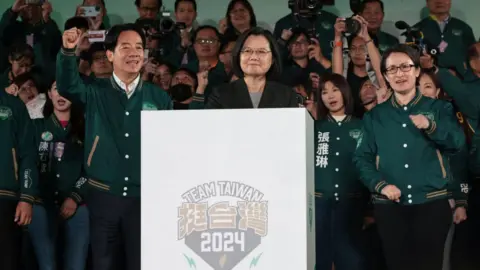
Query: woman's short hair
{"x": 412, "y": 53}
{"x": 275, "y": 70}
{"x": 341, "y": 83}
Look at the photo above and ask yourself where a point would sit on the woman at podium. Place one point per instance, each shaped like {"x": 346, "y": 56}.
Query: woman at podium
{"x": 339, "y": 196}
{"x": 401, "y": 158}
{"x": 256, "y": 62}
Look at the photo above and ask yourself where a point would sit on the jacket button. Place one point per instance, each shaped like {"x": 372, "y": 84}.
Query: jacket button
{"x": 409, "y": 195}
{"x": 337, "y": 153}
{"x": 404, "y": 125}
{"x": 339, "y": 123}
{"x": 124, "y": 193}
{"x": 336, "y": 185}
{"x": 338, "y": 138}
{"x": 126, "y": 135}
{"x": 409, "y": 187}
{"x": 337, "y": 199}
{"x": 126, "y": 178}
{"x": 336, "y": 194}
{"x": 127, "y": 113}
{"x": 406, "y": 166}
{"x": 409, "y": 201}
{"x": 58, "y": 175}
{"x": 127, "y": 156}
{"x": 336, "y": 169}
{"x": 404, "y": 145}
{"x": 125, "y": 188}
{"x": 405, "y": 108}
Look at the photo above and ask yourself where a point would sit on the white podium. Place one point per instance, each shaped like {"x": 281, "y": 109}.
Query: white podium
{"x": 228, "y": 190}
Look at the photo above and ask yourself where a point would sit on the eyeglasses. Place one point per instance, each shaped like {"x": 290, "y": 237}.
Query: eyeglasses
{"x": 403, "y": 67}
{"x": 205, "y": 41}
{"x": 358, "y": 50}
{"x": 260, "y": 52}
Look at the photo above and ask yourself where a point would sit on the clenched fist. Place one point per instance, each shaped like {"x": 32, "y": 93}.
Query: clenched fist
{"x": 420, "y": 121}
{"x": 71, "y": 37}
{"x": 392, "y": 193}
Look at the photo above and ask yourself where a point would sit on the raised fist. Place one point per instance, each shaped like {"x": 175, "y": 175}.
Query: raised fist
{"x": 71, "y": 38}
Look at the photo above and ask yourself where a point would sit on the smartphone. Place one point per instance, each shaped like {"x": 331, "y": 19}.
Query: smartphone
{"x": 90, "y": 11}
{"x": 34, "y": 2}
{"x": 96, "y": 36}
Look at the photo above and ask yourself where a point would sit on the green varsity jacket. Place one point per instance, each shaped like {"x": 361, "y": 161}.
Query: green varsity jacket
{"x": 19, "y": 178}
{"x": 60, "y": 159}
{"x": 112, "y": 137}
{"x": 393, "y": 151}
{"x": 335, "y": 144}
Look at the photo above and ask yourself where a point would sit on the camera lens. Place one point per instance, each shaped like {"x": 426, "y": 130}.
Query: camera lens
{"x": 166, "y": 25}
{"x": 352, "y": 26}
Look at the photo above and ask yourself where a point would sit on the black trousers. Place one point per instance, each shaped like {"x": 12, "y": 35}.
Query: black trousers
{"x": 114, "y": 224}
{"x": 10, "y": 236}
{"x": 413, "y": 237}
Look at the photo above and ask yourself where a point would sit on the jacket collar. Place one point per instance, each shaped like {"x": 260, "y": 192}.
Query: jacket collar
{"x": 413, "y": 102}
{"x": 333, "y": 120}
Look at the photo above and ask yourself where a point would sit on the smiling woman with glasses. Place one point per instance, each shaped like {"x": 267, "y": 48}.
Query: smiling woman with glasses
{"x": 402, "y": 157}
{"x": 257, "y": 63}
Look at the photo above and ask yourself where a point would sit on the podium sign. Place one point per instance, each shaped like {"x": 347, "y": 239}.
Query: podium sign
{"x": 228, "y": 190}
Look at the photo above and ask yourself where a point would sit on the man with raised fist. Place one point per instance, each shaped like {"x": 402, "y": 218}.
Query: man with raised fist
{"x": 112, "y": 139}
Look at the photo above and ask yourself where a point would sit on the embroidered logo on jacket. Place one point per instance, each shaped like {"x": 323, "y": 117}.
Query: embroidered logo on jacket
{"x": 429, "y": 115}
{"x": 5, "y": 113}
{"x": 47, "y": 136}
{"x": 147, "y": 106}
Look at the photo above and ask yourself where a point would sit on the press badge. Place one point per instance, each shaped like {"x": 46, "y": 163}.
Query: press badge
{"x": 443, "y": 46}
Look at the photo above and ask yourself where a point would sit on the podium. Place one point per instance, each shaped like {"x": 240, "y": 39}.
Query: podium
{"x": 228, "y": 190}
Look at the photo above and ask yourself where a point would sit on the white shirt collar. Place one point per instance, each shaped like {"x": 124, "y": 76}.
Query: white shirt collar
{"x": 130, "y": 89}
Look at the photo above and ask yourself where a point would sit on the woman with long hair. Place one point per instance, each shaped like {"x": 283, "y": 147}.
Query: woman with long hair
{"x": 59, "y": 138}
{"x": 339, "y": 202}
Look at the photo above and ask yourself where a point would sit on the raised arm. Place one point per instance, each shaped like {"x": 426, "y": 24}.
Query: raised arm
{"x": 69, "y": 83}
{"x": 337, "y": 54}
{"x": 466, "y": 99}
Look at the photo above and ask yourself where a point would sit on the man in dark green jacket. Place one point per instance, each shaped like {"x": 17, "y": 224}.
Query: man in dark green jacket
{"x": 112, "y": 139}
{"x": 373, "y": 12}
{"x": 450, "y": 36}
{"x": 18, "y": 183}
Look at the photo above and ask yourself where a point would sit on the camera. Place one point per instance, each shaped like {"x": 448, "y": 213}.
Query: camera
{"x": 416, "y": 39}
{"x": 352, "y": 26}
{"x": 305, "y": 14}
{"x": 161, "y": 27}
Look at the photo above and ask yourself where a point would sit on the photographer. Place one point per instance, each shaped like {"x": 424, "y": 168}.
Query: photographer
{"x": 304, "y": 56}
{"x": 36, "y": 28}
{"x": 323, "y": 22}
{"x": 180, "y": 40}
{"x": 373, "y": 12}
{"x": 360, "y": 46}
